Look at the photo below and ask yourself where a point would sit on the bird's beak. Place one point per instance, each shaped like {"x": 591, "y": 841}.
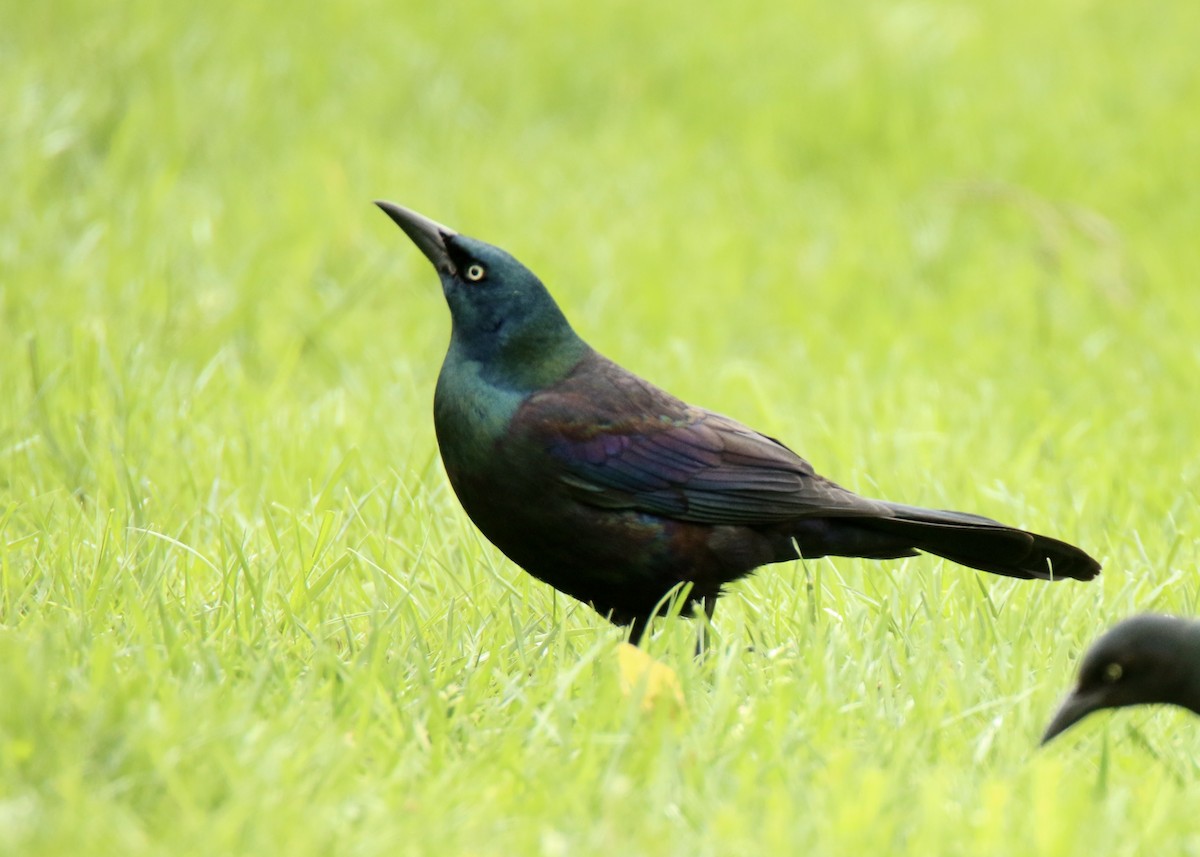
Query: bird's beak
{"x": 1073, "y": 709}
{"x": 429, "y": 235}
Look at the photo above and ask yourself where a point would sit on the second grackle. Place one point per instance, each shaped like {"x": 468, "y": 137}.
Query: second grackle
{"x": 1142, "y": 660}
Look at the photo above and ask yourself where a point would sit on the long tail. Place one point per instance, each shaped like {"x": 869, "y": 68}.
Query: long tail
{"x": 969, "y": 540}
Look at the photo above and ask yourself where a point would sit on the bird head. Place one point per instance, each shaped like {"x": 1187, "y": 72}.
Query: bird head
{"x": 501, "y": 312}
{"x": 1144, "y": 659}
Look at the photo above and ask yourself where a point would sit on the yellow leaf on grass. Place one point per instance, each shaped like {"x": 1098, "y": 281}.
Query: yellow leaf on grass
{"x": 655, "y": 681}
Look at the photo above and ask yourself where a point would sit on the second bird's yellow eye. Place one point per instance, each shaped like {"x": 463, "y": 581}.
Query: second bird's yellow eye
{"x": 475, "y": 273}
{"x": 1113, "y": 672}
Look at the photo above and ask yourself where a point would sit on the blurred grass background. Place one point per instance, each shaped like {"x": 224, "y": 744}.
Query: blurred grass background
{"x": 946, "y": 251}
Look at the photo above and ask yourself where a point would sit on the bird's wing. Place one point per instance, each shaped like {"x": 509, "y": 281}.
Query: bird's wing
{"x": 694, "y": 465}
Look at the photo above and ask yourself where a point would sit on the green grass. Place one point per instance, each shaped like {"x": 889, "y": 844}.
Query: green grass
{"x": 947, "y": 251}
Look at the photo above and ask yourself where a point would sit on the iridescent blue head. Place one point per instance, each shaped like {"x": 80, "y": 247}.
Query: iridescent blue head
{"x": 501, "y": 312}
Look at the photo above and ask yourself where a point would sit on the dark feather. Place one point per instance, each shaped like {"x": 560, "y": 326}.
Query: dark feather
{"x": 717, "y": 472}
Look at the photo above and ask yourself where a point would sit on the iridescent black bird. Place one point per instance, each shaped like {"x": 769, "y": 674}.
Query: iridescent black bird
{"x": 614, "y": 491}
{"x": 1144, "y": 659}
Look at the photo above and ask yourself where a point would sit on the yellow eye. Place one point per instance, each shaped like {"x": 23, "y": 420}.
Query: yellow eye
{"x": 1113, "y": 672}
{"x": 475, "y": 273}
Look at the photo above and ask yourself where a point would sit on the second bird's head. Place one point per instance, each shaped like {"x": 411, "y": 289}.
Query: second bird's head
{"x": 1145, "y": 659}
{"x": 499, "y": 308}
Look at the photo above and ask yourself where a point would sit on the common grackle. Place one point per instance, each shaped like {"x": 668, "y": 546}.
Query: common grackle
{"x": 1144, "y": 659}
{"x": 614, "y": 491}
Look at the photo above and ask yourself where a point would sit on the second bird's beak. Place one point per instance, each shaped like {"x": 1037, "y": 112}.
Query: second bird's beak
{"x": 429, "y": 235}
{"x": 1073, "y": 709}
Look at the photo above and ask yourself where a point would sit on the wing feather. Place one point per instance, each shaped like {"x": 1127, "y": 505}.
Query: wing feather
{"x": 706, "y": 468}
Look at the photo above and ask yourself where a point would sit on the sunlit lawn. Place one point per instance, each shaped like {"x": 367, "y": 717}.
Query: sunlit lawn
{"x": 946, "y": 251}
